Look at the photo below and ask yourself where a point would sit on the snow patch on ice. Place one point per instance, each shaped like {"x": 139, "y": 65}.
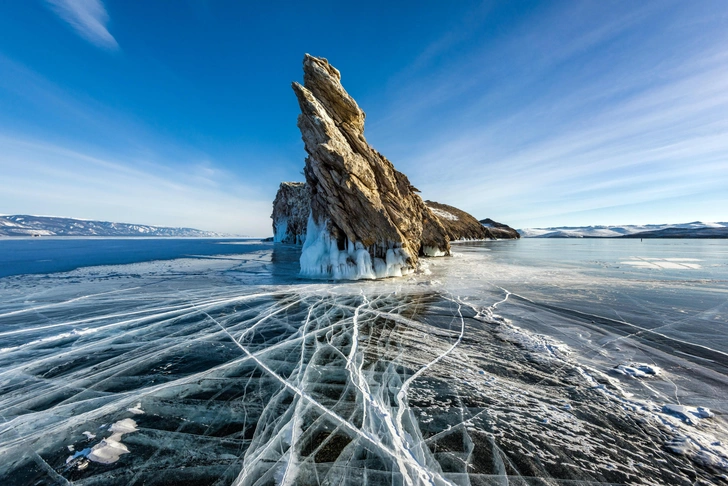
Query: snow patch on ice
{"x": 638, "y": 370}
{"x": 136, "y": 410}
{"x": 690, "y": 415}
{"x": 110, "y": 449}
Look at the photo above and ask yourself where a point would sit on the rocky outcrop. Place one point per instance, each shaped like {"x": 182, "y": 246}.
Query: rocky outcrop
{"x": 499, "y": 231}
{"x": 463, "y": 226}
{"x": 367, "y": 220}
{"x": 458, "y": 224}
{"x": 291, "y": 208}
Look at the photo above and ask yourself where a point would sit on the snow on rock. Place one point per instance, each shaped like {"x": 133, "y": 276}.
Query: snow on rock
{"x": 442, "y": 214}
{"x": 686, "y": 230}
{"x": 291, "y": 208}
{"x": 26, "y": 225}
{"x": 463, "y": 226}
{"x": 358, "y": 200}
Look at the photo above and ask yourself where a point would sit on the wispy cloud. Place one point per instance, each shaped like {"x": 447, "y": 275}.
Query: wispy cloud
{"x": 88, "y": 18}
{"x": 43, "y": 178}
{"x": 600, "y": 116}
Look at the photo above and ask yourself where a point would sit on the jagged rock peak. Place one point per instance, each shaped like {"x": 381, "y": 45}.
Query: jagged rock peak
{"x": 291, "y": 208}
{"x": 367, "y": 220}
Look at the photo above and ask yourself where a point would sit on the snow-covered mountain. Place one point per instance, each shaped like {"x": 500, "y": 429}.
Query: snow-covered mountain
{"x": 696, "y": 229}
{"x": 24, "y": 225}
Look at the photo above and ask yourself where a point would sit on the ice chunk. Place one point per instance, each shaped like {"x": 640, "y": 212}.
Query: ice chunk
{"x": 136, "y": 410}
{"x": 433, "y": 251}
{"x": 322, "y": 258}
{"x": 690, "y": 415}
{"x": 110, "y": 449}
{"x": 638, "y": 370}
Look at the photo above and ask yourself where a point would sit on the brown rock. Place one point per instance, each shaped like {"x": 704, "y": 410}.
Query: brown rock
{"x": 458, "y": 224}
{"x": 463, "y": 226}
{"x": 359, "y": 202}
{"x": 291, "y": 208}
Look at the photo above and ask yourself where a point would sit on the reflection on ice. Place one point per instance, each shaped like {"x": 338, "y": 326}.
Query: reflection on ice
{"x": 217, "y": 371}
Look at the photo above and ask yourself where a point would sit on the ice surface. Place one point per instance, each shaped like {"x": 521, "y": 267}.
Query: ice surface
{"x": 230, "y": 370}
{"x": 661, "y": 263}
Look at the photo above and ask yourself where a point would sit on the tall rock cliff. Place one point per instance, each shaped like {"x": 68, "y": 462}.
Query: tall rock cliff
{"x": 367, "y": 220}
{"x": 291, "y": 208}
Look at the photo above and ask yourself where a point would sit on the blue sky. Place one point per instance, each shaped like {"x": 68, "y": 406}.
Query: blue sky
{"x": 535, "y": 114}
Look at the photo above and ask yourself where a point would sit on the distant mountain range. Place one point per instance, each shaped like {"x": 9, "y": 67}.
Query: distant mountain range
{"x": 24, "y": 225}
{"x": 695, "y": 229}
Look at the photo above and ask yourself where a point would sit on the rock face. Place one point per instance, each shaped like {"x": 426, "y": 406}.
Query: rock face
{"x": 367, "y": 221}
{"x": 463, "y": 226}
{"x": 499, "y": 231}
{"x": 458, "y": 224}
{"x": 291, "y": 208}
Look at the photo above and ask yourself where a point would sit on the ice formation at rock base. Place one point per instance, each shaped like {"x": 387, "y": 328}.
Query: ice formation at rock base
{"x": 403, "y": 381}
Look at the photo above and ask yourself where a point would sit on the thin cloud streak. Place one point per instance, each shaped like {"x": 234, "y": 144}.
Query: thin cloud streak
{"x": 572, "y": 134}
{"x": 41, "y": 178}
{"x": 88, "y": 18}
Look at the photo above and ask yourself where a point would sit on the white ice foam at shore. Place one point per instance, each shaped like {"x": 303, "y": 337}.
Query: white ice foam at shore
{"x": 322, "y": 258}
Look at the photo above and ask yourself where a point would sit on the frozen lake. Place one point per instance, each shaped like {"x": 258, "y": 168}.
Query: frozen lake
{"x": 528, "y": 362}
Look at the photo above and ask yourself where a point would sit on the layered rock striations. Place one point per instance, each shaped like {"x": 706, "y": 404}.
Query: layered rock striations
{"x": 367, "y": 220}
{"x": 291, "y": 208}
